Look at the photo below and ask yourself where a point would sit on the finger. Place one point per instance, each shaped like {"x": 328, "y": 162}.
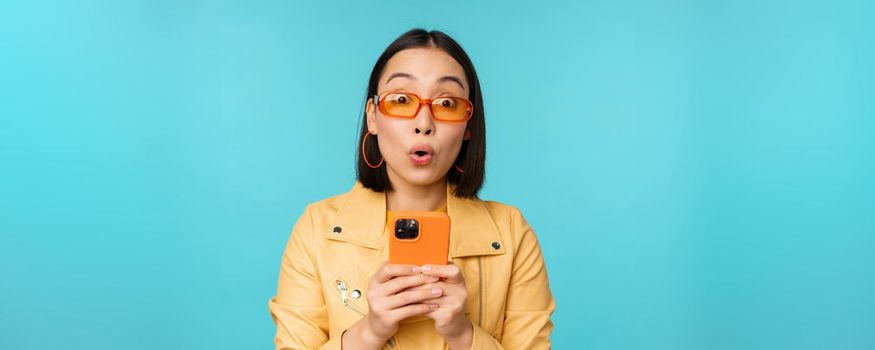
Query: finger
{"x": 439, "y": 284}
{"x": 388, "y": 271}
{"x": 411, "y": 310}
{"x": 420, "y": 287}
{"x": 412, "y": 297}
{"x": 447, "y": 303}
{"x": 453, "y": 291}
{"x": 439, "y": 301}
{"x": 401, "y": 283}
{"x": 450, "y": 272}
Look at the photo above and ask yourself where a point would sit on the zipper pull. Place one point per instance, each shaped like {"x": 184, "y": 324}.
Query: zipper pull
{"x": 342, "y": 286}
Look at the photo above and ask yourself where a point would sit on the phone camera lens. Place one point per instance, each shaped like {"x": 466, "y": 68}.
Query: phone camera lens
{"x": 406, "y": 228}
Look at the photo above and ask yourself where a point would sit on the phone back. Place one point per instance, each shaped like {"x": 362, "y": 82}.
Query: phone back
{"x": 432, "y": 244}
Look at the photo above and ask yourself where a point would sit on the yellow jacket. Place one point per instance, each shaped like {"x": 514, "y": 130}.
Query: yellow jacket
{"x": 338, "y": 243}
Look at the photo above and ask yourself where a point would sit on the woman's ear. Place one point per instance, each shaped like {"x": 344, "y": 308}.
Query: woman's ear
{"x": 371, "y": 112}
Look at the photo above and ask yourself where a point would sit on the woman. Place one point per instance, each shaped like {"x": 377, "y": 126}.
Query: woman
{"x": 422, "y": 147}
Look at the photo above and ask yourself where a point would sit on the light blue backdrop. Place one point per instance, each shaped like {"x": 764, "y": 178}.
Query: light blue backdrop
{"x": 700, "y": 174}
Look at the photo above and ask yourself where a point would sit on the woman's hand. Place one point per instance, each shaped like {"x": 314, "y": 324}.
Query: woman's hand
{"x": 389, "y": 302}
{"x": 449, "y": 319}
{"x": 392, "y": 297}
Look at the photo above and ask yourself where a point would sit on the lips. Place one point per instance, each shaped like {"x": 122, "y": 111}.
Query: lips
{"x": 421, "y": 148}
{"x": 421, "y": 154}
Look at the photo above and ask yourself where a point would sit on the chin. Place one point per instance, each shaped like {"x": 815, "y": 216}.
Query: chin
{"x": 422, "y": 176}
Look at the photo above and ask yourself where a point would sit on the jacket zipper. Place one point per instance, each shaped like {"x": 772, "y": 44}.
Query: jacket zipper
{"x": 480, "y": 276}
{"x": 343, "y": 288}
{"x": 341, "y": 285}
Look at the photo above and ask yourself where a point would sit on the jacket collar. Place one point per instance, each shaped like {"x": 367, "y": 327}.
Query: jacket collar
{"x": 362, "y": 220}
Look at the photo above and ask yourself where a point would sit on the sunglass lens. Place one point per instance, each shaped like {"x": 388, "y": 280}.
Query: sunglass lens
{"x": 451, "y": 108}
{"x": 400, "y": 104}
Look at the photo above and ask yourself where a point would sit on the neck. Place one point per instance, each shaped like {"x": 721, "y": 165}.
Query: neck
{"x": 406, "y": 196}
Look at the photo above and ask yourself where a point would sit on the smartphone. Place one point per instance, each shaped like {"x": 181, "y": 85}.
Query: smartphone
{"x": 419, "y": 238}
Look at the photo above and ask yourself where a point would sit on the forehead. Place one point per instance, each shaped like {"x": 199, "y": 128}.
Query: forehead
{"x": 426, "y": 66}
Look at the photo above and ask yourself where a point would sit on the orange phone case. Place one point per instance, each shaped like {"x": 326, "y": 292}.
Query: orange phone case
{"x": 430, "y": 247}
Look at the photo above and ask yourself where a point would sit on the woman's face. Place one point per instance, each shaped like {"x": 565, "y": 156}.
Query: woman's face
{"x": 428, "y": 73}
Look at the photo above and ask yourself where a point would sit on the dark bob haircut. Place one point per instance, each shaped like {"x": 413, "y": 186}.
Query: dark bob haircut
{"x": 472, "y": 155}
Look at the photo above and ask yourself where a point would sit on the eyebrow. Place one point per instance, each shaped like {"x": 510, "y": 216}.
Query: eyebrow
{"x": 441, "y": 80}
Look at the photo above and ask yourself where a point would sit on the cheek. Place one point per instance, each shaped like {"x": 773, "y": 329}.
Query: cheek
{"x": 390, "y": 135}
{"x": 452, "y": 143}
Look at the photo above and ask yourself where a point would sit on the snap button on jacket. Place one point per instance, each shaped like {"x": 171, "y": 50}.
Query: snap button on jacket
{"x": 339, "y": 242}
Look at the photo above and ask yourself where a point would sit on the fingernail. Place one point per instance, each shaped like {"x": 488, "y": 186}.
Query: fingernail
{"x": 433, "y": 306}
{"x": 426, "y": 268}
{"x": 436, "y": 291}
{"x": 416, "y": 269}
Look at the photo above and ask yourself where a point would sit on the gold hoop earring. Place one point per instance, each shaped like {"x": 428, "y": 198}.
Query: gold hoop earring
{"x": 365, "y": 156}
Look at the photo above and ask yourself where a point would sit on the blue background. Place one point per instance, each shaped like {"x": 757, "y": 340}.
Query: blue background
{"x": 700, "y": 174}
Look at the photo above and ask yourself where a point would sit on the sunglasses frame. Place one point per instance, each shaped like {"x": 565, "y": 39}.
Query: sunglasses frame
{"x": 378, "y": 101}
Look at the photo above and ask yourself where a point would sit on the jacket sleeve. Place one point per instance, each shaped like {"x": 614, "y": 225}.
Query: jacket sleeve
{"x": 298, "y": 309}
{"x": 530, "y": 303}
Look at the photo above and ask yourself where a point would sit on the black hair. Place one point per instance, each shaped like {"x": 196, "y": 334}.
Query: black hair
{"x": 472, "y": 155}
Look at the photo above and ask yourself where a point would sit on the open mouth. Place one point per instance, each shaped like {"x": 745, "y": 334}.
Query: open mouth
{"x": 421, "y": 154}
{"x": 421, "y": 157}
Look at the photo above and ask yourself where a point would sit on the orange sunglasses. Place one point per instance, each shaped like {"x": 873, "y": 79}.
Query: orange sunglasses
{"x": 400, "y": 104}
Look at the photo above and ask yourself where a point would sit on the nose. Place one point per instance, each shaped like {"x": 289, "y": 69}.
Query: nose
{"x": 424, "y": 123}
